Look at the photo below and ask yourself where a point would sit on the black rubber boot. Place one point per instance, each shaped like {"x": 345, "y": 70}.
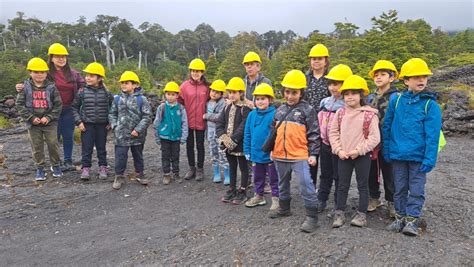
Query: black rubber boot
{"x": 283, "y": 211}
{"x": 310, "y": 223}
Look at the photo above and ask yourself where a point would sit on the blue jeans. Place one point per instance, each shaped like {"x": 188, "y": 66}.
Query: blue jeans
{"x": 66, "y": 131}
{"x": 410, "y": 183}
{"x": 301, "y": 169}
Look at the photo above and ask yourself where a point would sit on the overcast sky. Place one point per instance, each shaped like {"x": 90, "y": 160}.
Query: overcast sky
{"x": 232, "y": 16}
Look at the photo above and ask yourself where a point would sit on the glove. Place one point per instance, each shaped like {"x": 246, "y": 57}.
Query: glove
{"x": 247, "y": 157}
{"x": 425, "y": 168}
{"x": 227, "y": 141}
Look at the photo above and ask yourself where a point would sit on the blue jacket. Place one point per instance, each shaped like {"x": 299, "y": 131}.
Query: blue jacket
{"x": 257, "y": 129}
{"x": 411, "y": 128}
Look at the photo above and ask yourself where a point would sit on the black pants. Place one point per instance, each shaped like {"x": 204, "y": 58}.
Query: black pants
{"x": 345, "y": 168}
{"x": 244, "y": 171}
{"x": 170, "y": 156}
{"x": 121, "y": 157}
{"x": 199, "y": 136}
{"x": 95, "y": 135}
{"x": 328, "y": 163}
{"x": 387, "y": 173}
{"x": 313, "y": 170}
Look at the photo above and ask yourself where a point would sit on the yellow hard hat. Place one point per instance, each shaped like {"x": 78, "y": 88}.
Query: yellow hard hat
{"x": 339, "y": 73}
{"x": 264, "y": 89}
{"x": 236, "y": 84}
{"x": 294, "y": 79}
{"x": 95, "y": 68}
{"x": 355, "y": 82}
{"x": 251, "y": 57}
{"x": 171, "y": 87}
{"x": 414, "y": 67}
{"x": 383, "y": 65}
{"x": 129, "y": 76}
{"x": 57, "y": 49}
{"x": 319, "y": 50}
{"x": 218, "y": 85}
{"x": 197, "y": 64}
{"x": 37, "y": 64}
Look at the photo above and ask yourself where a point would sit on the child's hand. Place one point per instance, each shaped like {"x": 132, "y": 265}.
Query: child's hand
{"x": 82, "y": 127}
{"x": 203, "y": 116}
{"x": 312, "y": 161}
{"x": 36, "y": 121}
{"x": 135, "y": 133}
{"x": 44, "y": 120}
{"x": 342, "y": 155}
{"x": 19, "y": 87}
{"x": 353, "y": 154}
{"x": 249, "y": 103}
{"x": 247, "y": 157}
{"x": 108, "y": 126}
{"x": 228, "y": 101}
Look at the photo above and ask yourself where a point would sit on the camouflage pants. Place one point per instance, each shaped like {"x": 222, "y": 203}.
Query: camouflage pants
{"x": 217, "y": 156}
{"x": 38, "y": 136}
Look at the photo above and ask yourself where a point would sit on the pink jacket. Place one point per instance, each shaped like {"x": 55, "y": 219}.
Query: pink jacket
{"x": 325, "y": 119}
{"x": 349, "y": 135}
{"x": 194, "y": 96}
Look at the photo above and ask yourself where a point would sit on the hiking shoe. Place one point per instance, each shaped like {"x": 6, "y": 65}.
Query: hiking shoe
{"x": 86, "y": 173}
{"x": 119, "y": 179}
{"x": 275, "y": 204}
{"x": 103, "y": 172}
{"x": 339, "y": 219}
{"x": 199, "y": 174}
{"x": 283, "y": 210}
{"x": 256, "y": 201}
{"x": 68, "y": 166}
{"x": 140, "y": 177}
{"x": 229, "y": 196}
{"x": 56, "y": 171}
{"x": 177, "y": 178}
{"x": 391, "y": 209}
{"x": 190, "y": 174}
{"x": 330, "y": 214}
{"x": 40, "y": 174}
{"x": 411, "y": 226}
{"x": 397, "y": 225}
{"x": 267, "y": 189}
{"x": 166, "y": 178}
{"x": 374, "y": 203}
{"x": 322, "y": 206}
{"x": 360, "y": 219}
{"x": 240, "y": 197}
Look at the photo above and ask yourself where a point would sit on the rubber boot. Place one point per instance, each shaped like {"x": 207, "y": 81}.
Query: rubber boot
{"x": 310, "y": 223}
{"x": 217, "y": 173}
{"x": 226, "y": 176}
{"x": 283, "y": 211}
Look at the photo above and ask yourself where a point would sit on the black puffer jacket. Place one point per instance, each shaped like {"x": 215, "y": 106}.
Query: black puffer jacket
{"x": 92, "y": 105}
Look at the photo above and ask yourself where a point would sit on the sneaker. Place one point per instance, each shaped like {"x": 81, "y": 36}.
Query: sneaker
{"x": 322, "y": 206}
{"x": 339, "y": 219}
{"x": 330, "y": 214}
{"x": 56, "y": 171}
{"x": 119, "y": 179}
{"x": 275, "y": 203}
{"x": 86, "y": 173}
{"x": 360, "y": 219}
{"x": 103, "y": 172}
{"x": 391, "y": 209}
{"x": 229, "y": 196}
{"x": 190, "y": 174}
{"x": 397, "y": 225}
{"x": 40, "y": 174}
{"x": 199, "y": 174}
{"x": 256, "y": 201}
{"x": 68, "y": 166}
{"x": 267, "y": 189}
{"x": 177, "y": 178}
{"x": 411, "y": 226}
{"x": 240, "y": 197}
{"x": 374, "y": 203}
{"x": 166, "y": 178}
{"x": 284, "y": 209}
{"x": 140, "y": 177}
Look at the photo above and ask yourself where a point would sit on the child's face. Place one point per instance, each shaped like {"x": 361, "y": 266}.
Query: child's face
{"x": 215, "y": 95}
{"x": 252, "y": 68}
{"x": 352, "y": 98}
{"x": 334, "y": 88}
{"x": 233, "y": 96}
{"x": 292, "y": 96}
{"x": 38, "y": 76}
{"x": 171, "y": 97}
{"x": 382, "y": 79}
{"x": 128, "y": 87}
{"x": 196, "y": 74}
{"x": 318, "y": 63}
{"x": 92, "y": 80}
{"x": 262, "y": 101}
{"x": 416, "y": 83}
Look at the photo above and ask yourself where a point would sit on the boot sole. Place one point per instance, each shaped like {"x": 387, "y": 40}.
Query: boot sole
{"x": 253, "y": 206}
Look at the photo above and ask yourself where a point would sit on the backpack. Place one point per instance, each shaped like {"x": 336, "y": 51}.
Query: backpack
{"x": 442, "y": 140}
{"x": 139, "y": 101}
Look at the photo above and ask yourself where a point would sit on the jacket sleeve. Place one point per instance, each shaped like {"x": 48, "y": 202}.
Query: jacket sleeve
{"x": 238, "y": 134}
{"x": 184, "y": 125}
{"x": 180, "y": 95}
{"x": 248, "y": 134}
{"x": 76, "y": 107}
{"x": 57, "y": 106}
{"x": 312, "y": 133}
{"x": 372, "y": 140}
{"x": 215, "y": 116}
{"x": 432, "y": 127}
{"x": 157, "y": 122}
{"x": 20, "y": 105}
{"x": 146, "y": 116}
{"x": 220, "y": 124}
{"x": 387, "y": 126}
{"x": 113, "y": 114}
{"x": 335, "y": 135}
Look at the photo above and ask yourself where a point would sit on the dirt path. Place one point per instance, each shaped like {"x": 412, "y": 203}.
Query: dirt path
{"x": 68, "y": 222}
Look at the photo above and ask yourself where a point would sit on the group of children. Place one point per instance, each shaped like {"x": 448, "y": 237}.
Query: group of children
{"x": 396, "y": 133}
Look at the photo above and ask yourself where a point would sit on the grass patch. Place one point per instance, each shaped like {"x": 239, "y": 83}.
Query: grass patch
{"x": 5, "y": 123}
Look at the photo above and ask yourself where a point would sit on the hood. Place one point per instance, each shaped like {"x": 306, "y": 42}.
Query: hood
{"x": 265, "y": 111}
{"x": 425, "y": 94}
{"x": 363, "y": 108}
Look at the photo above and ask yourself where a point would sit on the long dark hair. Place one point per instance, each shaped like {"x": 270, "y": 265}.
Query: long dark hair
{"x": 66, "y": 69}
{"x": 203, "y": 79}
{"x": 326, "y": 68}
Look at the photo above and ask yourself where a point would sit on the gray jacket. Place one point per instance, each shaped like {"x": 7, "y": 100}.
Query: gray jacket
{"x": 250, "y": 86}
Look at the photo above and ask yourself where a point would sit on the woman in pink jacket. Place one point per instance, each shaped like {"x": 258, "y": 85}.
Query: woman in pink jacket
{"x": 354, "y": 133}
{"x": 193, "y": 95}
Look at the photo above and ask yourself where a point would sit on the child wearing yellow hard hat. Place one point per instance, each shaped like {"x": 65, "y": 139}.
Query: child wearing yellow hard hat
{"x": 40, "y": 105}
{"x": 354, "y": 133}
